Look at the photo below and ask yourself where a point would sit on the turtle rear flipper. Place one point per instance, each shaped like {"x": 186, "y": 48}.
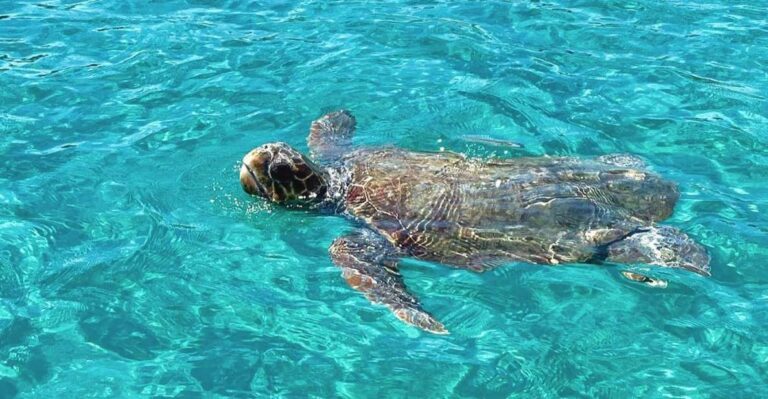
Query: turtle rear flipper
{"x": 662, "y": 246}
{"x": 331, "y": 135}
{"x": 370, "y": 266}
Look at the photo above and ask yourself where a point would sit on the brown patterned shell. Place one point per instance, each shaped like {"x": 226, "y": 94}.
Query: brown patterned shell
{"x": 477, "y": 214}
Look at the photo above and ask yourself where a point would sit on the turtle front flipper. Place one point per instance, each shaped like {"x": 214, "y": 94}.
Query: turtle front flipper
{"x": 331, "y": 135}
{"x": 369, "y": 265}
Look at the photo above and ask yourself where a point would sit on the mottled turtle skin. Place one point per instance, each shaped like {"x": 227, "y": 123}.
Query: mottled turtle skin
{"x": 471, "y": 213}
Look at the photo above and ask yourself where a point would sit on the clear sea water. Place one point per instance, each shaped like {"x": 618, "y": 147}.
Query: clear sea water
{"x": 133, "y": 265}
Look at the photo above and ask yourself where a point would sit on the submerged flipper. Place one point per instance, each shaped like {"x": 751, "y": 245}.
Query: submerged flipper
{"x": 331, "y": 135}
{"x": 622, "y": 161}
{"x": 369, "y": 265}
{"x": 645, "y": 280}
{"x": 662, "y": 246}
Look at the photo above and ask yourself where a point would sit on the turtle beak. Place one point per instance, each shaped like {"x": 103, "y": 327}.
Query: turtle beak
{"x": 251, "y": 169}
{"x": 248, "y": 180}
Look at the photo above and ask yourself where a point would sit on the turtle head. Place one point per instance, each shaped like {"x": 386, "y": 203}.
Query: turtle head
{"x": 281, "y": 174}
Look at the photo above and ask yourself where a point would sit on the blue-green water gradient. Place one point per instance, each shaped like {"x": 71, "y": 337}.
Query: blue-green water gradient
{"x": 133, "y": 265}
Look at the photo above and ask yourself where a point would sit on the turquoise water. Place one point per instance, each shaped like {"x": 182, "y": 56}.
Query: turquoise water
{"x": 133, "y": 265}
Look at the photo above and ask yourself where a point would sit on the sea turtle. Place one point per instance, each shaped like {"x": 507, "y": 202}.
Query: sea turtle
{"x": 470, "y": 213}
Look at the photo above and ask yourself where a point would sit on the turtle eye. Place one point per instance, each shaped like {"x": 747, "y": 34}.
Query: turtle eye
{"x": 281, "y": 172}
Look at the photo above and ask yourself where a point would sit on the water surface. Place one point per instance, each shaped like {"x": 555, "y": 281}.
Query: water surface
{"x": 133, "y": 265}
